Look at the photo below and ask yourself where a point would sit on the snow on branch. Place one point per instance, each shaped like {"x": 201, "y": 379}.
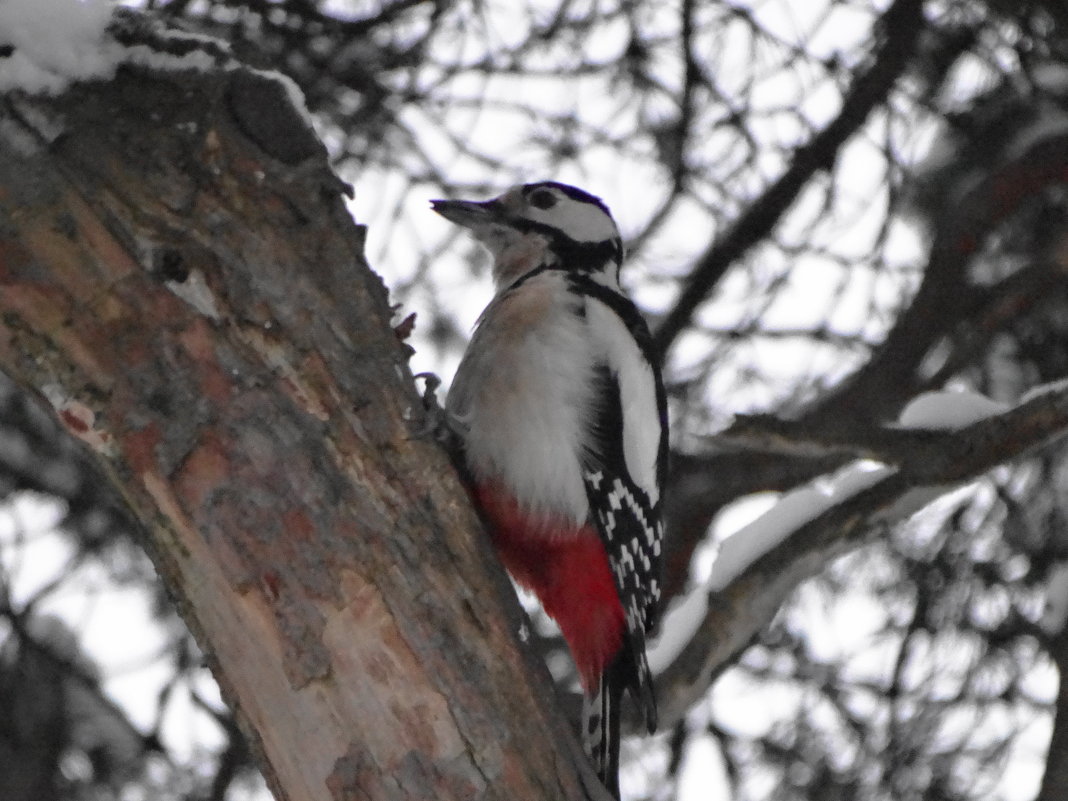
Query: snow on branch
{"x": 793, "y": 541}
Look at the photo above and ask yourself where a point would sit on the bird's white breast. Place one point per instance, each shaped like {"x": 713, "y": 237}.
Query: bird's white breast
{"x": 523, "y": 393}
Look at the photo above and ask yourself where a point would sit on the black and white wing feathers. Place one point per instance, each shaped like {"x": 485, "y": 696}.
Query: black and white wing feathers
{"x": 625, "y": 466}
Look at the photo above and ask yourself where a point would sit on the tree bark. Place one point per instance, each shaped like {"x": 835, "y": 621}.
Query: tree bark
{"x": 180, "y": 280}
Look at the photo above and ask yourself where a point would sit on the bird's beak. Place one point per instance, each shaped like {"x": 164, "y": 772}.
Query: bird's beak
{"x": 468, "y": 213}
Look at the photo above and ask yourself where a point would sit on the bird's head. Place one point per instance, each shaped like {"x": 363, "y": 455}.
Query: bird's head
{"x": 542, "y": 224}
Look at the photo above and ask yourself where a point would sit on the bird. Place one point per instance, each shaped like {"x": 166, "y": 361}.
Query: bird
{"x": 561, "y": 411}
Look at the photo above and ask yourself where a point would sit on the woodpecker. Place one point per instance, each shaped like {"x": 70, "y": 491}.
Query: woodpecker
{"x": 561, "y": 410}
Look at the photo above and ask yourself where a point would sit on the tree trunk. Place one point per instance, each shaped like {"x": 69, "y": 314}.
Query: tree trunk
{"x": 179, "y": 278}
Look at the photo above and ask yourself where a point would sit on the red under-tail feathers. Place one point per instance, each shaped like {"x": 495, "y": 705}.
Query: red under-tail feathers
{"x": 566, "y": 567}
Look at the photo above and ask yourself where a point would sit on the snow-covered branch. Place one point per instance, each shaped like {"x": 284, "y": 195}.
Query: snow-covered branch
{"x": 759, "y": 566}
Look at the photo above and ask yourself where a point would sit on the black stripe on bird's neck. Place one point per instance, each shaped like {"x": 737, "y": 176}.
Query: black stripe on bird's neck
{"x": 541, "y": 268}
{"x": 587, "y": 257}
{"x": 582, "y": 258}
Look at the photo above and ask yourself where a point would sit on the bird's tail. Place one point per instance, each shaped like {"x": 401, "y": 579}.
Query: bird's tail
{"x": 600, "y": 728}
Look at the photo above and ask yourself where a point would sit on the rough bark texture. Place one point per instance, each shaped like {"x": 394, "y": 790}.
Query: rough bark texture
{"x": 180, "y": 280}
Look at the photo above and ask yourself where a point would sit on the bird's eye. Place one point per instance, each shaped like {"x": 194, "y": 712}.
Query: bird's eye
{"x": 542, "y": 199}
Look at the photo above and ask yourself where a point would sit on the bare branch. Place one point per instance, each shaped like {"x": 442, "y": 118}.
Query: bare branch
{"x": 937, "y": 462}
{"x": 901, "y": 25}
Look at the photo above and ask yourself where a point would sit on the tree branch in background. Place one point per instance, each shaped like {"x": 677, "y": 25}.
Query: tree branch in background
{"x": 902, "y": 24}
{"x": 893, "y": 374}
{"x": 1055, "y": 779}
{"x": 849, "y": 415}
{"x": 933, "y": 463}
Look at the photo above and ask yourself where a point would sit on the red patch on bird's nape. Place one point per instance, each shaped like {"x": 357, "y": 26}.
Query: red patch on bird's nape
{"x": 566, "y": 567}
